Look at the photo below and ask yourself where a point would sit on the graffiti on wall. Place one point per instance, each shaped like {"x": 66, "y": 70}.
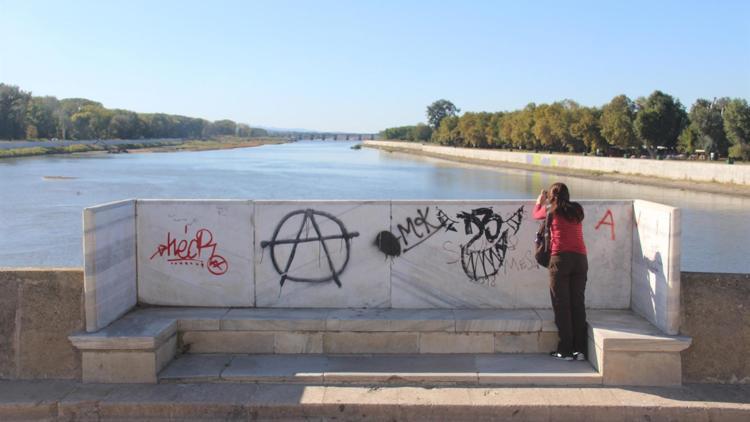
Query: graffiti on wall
{"x": 198, "y": 250}
{"x": 415, "y": 231}
{"x": 483, "y": 255}
{"x": 607, "y": 220}
{"x": 311, "y": 220}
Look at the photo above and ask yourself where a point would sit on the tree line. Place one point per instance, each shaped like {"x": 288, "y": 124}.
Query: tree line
{"x": 652, "y": 124}
{"x": 24, "y": 116}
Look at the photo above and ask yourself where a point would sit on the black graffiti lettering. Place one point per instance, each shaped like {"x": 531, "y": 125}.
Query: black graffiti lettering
{"x": 421, "y": 220}
{"x": 446, "y": 221}
{"x": 416, "y": 231}
{"x": 485, "y": 226}
{"x": 309, "y": 219}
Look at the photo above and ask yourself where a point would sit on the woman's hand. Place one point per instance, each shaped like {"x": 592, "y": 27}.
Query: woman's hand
{"x": 542, "y": 198}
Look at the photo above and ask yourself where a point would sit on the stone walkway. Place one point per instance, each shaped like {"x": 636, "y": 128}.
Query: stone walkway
{"x": 419, "y": 370}
{"x": 67, "y": 400}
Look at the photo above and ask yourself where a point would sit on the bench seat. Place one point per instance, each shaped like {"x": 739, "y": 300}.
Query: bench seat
{"x": 146, "y": 339}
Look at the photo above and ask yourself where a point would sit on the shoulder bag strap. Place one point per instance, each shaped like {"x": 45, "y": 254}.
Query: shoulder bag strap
{"x": 547, "y": 230}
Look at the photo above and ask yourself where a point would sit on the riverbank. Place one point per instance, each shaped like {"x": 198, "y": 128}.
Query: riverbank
{"x": 208, "y": 145}
{"x": 144, "y": 146}
{"x": 565, "y": 165}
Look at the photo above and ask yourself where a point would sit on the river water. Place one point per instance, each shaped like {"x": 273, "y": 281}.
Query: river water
{"x": 40, "y": 211}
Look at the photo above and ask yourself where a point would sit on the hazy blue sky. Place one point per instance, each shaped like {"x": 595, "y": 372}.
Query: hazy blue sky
{"x": 362, "y": 66}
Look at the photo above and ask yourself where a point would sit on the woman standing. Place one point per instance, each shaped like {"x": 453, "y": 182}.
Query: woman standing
{"x": 567, "y": 269}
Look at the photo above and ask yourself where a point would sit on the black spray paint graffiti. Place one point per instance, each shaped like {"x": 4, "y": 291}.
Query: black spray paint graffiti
{"x": 417, "y": 230}
{"x": 310, "y": 219}
{"x": 484, "y": 254}
{"x": 481, "y": 257}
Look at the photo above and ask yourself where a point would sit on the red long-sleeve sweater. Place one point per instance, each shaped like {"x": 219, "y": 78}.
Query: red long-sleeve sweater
{"x": 566, "y": 235}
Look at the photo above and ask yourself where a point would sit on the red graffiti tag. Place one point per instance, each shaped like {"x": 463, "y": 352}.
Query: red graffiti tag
{"x": 200, "y": 250}
{"x": 610, "y": 223}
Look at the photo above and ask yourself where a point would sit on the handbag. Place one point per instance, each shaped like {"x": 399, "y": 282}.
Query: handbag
{"x": 542, "y": 254}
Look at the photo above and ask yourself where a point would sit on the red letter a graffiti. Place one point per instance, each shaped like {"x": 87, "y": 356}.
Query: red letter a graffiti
{"x": 610, "y": 222}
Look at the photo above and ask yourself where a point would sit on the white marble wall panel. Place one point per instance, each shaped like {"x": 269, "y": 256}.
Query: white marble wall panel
{"x": 656, "y": 264}
{"x": 607, "y": 231}
{"x": 441, "y": 267}
{"x": 109, "y": 248}
{"x": 344, "y": 270}
{"x": 195, "y": 252}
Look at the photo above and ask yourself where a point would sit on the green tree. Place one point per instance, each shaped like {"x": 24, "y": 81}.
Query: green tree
{"x": 258, "y": 132}
{"x": 473, "y": 129}
{"x": 67, "y": 108}
{"x": 552, "y": 126}
{"x": 506, "y": 127}
{"x": 737, "y": 127}
{"x": 659, "y": 121}
{"x": 493, "y": 130}
{"x": 586, "y": 128}
{"x": 542, "y": 128}
{"x": 706, "y": 128}
{"x": 13, "y": 108}
{"x": 126, "y": 125}
{"x": 617, "y": 122}
{"x": 402, "y": 133}
{"x": 522, "y": 125}
{"x": 158, "y": 125}
{"x": 448, "y": 133}
{"x": 41, "y": 116}
{"x": 690, "y": 140}
{"x": 439, "y": 110}
{"x": 420, "y": 133}
{"x": 222, "y": 127}
{"x": 243, "y": 130}
{"x": 90, "y": 121}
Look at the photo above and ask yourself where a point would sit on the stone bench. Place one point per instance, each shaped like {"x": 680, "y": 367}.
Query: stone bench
{"x": 627, "y": 350}
{"x": 139, "y": 345}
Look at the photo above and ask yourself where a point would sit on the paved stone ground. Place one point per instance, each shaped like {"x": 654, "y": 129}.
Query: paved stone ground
{"x": 72, "y": 401}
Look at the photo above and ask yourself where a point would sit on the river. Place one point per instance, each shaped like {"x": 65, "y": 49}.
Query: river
{"x": 42, "y": 197}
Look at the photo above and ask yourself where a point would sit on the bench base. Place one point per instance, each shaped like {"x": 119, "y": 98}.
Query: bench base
{"x": 624, "y": 349}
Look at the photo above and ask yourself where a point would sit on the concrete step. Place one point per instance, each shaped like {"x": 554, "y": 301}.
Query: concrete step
{"x": 56, "y": 400}
{"x": 407, "y": 369}
{"x": 623, "y": 347}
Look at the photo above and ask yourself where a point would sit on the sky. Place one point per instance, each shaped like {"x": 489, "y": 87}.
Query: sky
{"x": 362, "y": 66}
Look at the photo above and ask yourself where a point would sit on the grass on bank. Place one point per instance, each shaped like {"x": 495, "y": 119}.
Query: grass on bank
{"x": 228, "y": 142}
{"x": 25, "y": 152}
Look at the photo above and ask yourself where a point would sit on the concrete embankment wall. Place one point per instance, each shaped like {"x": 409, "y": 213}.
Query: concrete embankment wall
{"x": 716, "y": 314}
{"x": 665, "y": 169}
{"x": 40, "y": 308}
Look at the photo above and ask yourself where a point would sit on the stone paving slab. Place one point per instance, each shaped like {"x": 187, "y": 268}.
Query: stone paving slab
{"x": 133, "y": 331}
{"x": 71, "y": 401}
{"x": 276, "y": 368}
{"x": 189, "y": 319}
{"x": 391, "y": 320}
{"x": 625, "y": 331}
{"x": 497, "y": 320}
{"x": 196, "y": 368}
{"x": 429, "y": 370}
{"x": 255, "y": 319}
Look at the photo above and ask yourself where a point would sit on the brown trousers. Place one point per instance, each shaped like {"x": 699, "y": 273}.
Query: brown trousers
{"x": 567, "y": 273}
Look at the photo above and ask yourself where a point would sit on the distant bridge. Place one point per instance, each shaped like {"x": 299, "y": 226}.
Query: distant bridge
{"x": 328, "y": 136}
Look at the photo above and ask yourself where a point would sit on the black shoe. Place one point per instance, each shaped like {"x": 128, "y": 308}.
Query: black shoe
{"x": 561, "y": 356}
{"x": 579, "y": 356}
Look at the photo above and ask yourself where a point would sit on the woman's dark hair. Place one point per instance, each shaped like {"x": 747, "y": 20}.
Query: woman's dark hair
{"x": 559, "y": 199}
